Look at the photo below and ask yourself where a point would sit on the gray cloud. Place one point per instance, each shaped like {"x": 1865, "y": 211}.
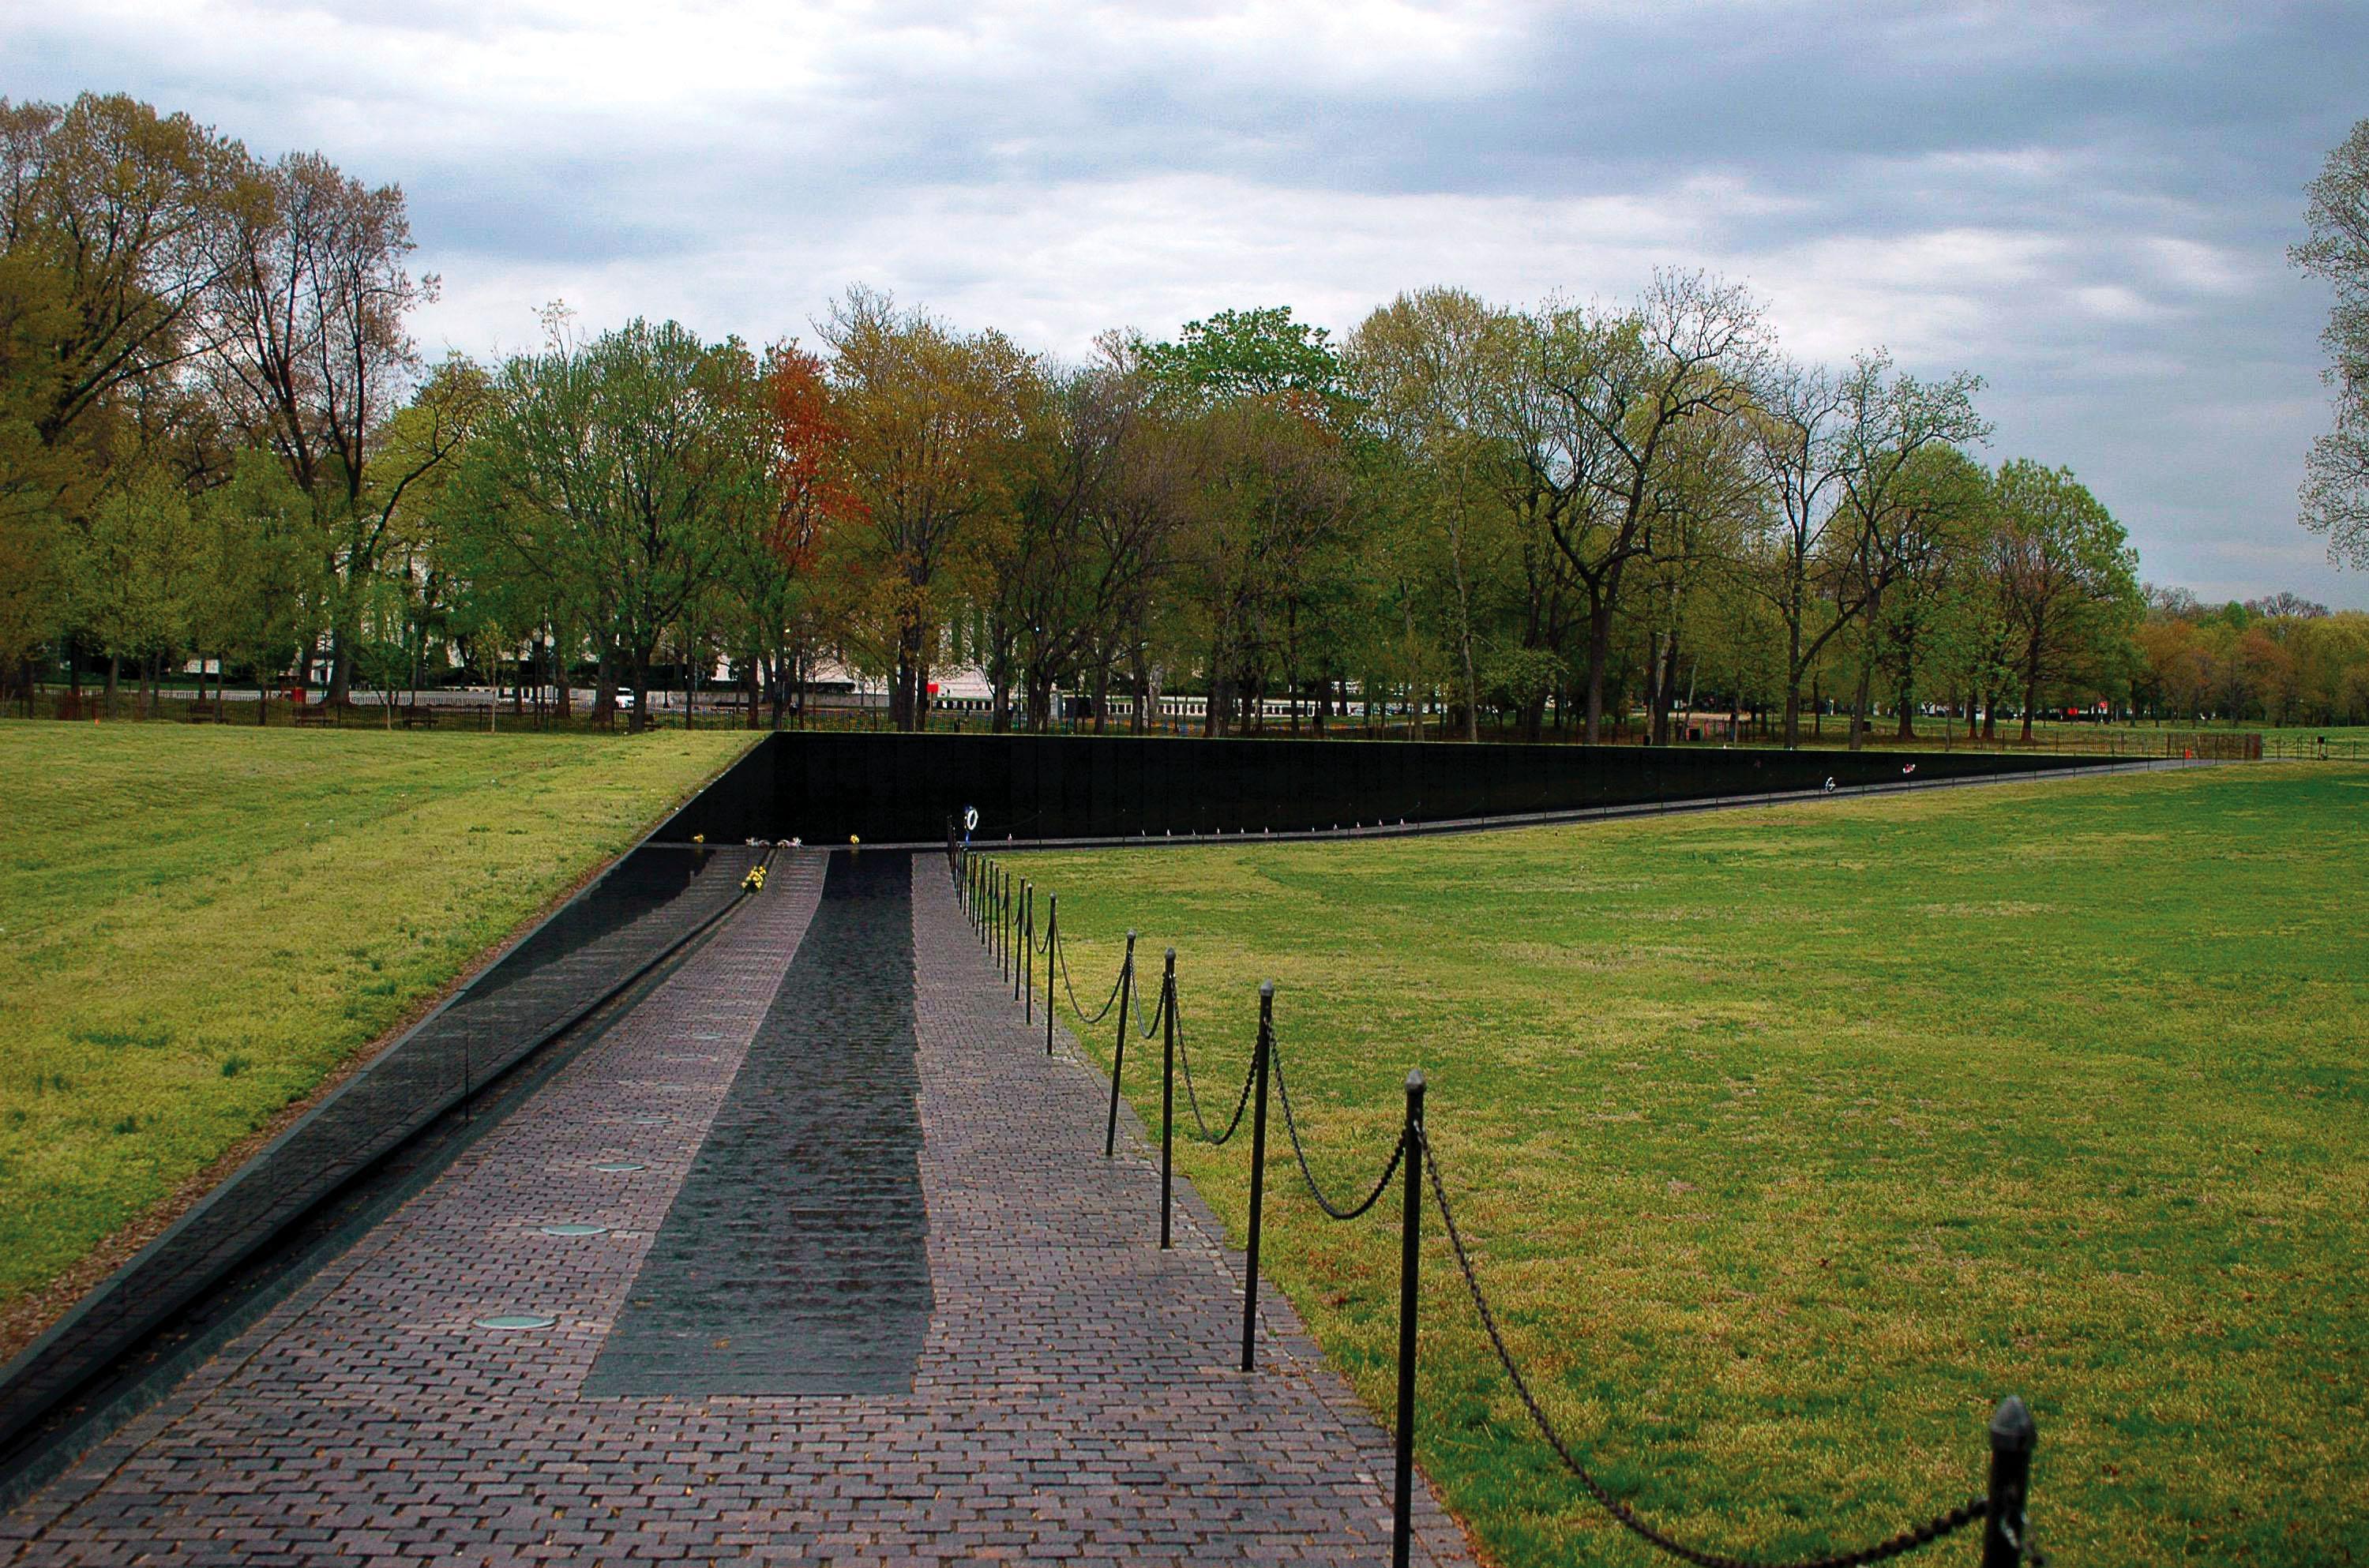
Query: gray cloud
{"x": 2089, "y": 205}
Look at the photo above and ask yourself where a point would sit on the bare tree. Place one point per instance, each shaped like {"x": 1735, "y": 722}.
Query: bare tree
{"x": 2336, "y": 482}
{"x": 1628, "y": 384}
{"x": 316, "y": 357}
{"x": 1795, "y": 428}
{"x": 1890, "y": 423}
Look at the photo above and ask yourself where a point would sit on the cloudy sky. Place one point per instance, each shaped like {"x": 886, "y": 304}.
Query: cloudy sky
{"x": 2088, "y": 205}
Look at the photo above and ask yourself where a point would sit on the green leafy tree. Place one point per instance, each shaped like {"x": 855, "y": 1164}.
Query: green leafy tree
{"x": 2067, "y": 578}
{"x": 623, "y": 474}
{"x": 1431, "y": 371}
{"x": 140, "y": 569}
{"x": 1262, "y": 352}
{"x": 263, "y": 597}
{"x": 935, "y": 420}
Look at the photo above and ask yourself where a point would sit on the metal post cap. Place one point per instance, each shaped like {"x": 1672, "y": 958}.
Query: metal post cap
{"x": 1130, "y": 933}
{"x": 1266, "y": 990}
{"x": 2011, "y": 1428}
{"x": 1415, "y": 1081}
{"x": 1172, "y": 955}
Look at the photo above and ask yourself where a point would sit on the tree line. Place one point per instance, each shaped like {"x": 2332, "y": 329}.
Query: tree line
{"x": 218, "y": 440}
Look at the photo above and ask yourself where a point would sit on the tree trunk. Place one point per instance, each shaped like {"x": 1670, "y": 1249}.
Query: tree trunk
{"x": 1599, "y": 653}
{"x": 604, "y": 686}
{"x": 2030, "y": 687}
{"x": 1860, "y": 701}
{"x": 1654, "y": 725}
{"x": 1221, "y": 693}
{"x": 1666, "y": 700}
{"x": 638, "y": 719}
{"x": 1464, "y": 639}
{"x": 341, "y": 669}
{"x": 114, "y": 676}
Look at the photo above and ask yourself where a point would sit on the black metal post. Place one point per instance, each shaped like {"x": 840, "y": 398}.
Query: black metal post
{"x": 1258, "y": 1168}
{"x": 1167, "y": 1094}
{"x": 1023, "y": 974}
{"x": 1052, "y": 942}
{"x": 2007, "y": 1525}
{"x": 1118, "y": 1051}
{"x": 1410, "y": 1270}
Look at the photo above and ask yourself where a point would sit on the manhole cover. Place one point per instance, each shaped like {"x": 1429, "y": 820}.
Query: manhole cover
{"x": 576, "y": 1230}
{"x": 517, "y": 1321}
{"x": 615, "y": 1165}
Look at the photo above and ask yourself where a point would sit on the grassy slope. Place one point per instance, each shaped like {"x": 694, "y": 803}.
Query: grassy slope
{"x": 1791, "y": 1139}
{"x": 197, "y": 924}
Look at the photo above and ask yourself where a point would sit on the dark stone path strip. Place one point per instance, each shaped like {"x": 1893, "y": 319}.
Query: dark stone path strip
{"x": 795, "y": 1258}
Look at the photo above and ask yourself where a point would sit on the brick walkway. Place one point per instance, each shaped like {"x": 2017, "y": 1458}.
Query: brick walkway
{"x": 1073, "y": 1397}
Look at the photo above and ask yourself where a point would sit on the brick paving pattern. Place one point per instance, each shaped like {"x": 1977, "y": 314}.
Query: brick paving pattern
{"x": 641, "y": 907}
{"x": 1072, "y": 1399}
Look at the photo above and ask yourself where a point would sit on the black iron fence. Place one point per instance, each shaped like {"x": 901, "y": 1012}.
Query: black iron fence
{"x": 1001, "y": 908}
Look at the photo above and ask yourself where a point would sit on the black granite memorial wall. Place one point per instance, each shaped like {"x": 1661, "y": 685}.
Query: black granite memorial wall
{"x": 891, "y": 788}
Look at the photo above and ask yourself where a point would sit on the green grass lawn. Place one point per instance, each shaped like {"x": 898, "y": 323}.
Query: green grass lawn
{"x": 1791, "y": 1139}
{"x": 198, "y": 923}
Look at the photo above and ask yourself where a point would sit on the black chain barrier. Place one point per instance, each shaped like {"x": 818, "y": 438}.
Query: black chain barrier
{"x": 2006, "y": 1537}
{"x": 1070, "y": 986}
{"x": 1151, "y": 1022}
{"x": 1291, "y": 1130}
{"x": 1906, "y": 1540}
{"x": 1192, "y": 1102}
